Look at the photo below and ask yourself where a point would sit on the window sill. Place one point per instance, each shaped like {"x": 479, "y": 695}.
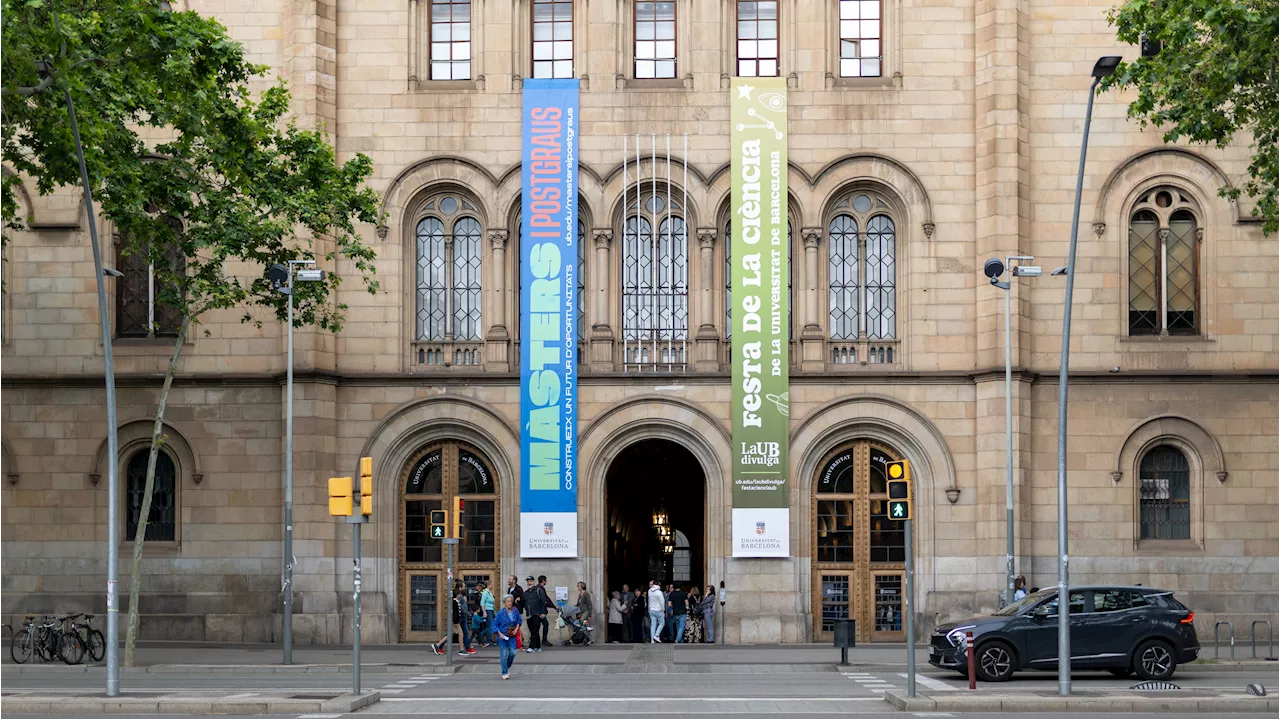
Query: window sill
{"x": 859, "y": 83}
{"x": 153, "y": 548}
{"x": 1168, "y": 547}
{"x": 672, "y": 83}
{"x": 448, "y": 85}
{"x": 1161, "y": 339}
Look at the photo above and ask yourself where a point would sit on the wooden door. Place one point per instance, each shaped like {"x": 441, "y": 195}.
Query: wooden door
{"x": 426, "y": 606}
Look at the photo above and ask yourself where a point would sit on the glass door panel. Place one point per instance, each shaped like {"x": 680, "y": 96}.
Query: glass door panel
{"x": 425, "y": 615}
{"x": 836, "y": 601}
{"x": 888, "y": 606}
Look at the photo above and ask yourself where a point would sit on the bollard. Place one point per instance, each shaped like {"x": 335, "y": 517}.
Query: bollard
{"x": 1232, "y": 629}
{"x": 973, "y": 679}
{"x": 1253, "y": 642}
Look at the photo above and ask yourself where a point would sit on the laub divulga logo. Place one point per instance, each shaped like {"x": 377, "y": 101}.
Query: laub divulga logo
{"x": 548, "y": 528}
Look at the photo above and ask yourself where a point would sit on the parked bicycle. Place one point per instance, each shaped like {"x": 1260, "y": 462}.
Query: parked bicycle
{"x": 56, "y": 637}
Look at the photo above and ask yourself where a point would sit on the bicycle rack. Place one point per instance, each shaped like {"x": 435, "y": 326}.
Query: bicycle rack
{"x": 1253, "y": 644}
{"x": 1233, "y": 639}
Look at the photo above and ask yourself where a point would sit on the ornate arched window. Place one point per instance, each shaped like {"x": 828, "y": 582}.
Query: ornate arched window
{"x": 861, "y": 254}
{"x": 448, "y": 270}
{"x": 728, "y": 279}
{"x": 142, "y": 308}
{"x": 655, "y": 280}
{"x": 1164, "y": 258}
{"x": 1164, "y": 494}
{"x": 162, "y": 519}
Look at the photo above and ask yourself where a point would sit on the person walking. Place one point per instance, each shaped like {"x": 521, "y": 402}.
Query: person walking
{"x": 584, "y": 604}
{"x": 639, "y": 615}
{"x": 535, "y": 608}
{"x": 506, "y": 625}
{"x": 546, "y": 625}
{"x": 615, "y": 618}
{"x": 678, "y": 602}
{"x": 1019, "y": 588}
{"x": 708, "y": 608}
{"x": 624, "y": 602}
{"x": 460, "y": 619}
{"x": 487, "y": 609}
{"x": 517, "y": 597}
{"x": 657, "y": 611}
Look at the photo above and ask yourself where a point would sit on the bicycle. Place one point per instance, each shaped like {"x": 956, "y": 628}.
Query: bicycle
{"x": 95, "y": 645}
{"x": 35, "y": 639}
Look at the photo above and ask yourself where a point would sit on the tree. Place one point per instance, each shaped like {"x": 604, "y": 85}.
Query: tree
{"x": 1215, "y": 75}
{"x": 207, "y": 184}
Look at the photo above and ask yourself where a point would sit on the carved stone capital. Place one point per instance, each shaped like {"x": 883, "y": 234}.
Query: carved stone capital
{"x": 811, "y": 236}
{"x": 707, "y": 237}
{"x": 1164, "y": 234}
{"x": 1199, "y": 234}
{"x": 1099, "y": 228}
{"x": 953, "y": 495}
{"x": 94, "y": 479}
{"x": 1116, "y": 477}
{"x": 1222, "y": 477}
{"x": 928, "y": 230}
{"x": 498, "y": 239}
{"x": 603, "y": 237}
{"x": 382, "y": 232}
{"x": 12, "y": 477}
{"x": 197, "y": 478}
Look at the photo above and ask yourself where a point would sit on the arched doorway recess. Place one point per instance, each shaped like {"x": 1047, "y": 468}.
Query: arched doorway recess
{"x": 859, "y": 553}
{"x": 655, "y": 511}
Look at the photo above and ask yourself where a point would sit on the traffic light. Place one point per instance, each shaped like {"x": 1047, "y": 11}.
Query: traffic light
{"x": 340, "y": 500}
{"x": 437, "y": 524}
{"x": 366, "y": 486}
{"x": 457, "y": 517}
{"x": 899, "y": 474}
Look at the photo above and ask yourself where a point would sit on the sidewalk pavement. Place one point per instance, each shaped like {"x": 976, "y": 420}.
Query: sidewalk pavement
{"x": 1182, "y": 701}
{"x": 180, "y": 702}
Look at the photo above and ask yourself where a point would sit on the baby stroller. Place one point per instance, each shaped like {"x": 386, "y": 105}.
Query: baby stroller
{"x": 581, "y": 632}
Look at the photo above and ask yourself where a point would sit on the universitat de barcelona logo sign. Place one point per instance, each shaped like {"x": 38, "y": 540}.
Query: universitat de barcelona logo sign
{"x": 549, "y": 528}
{"x": 759, "y": 527}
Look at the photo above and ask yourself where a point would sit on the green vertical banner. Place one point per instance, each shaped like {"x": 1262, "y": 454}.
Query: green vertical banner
{"x": 758, "y": 144}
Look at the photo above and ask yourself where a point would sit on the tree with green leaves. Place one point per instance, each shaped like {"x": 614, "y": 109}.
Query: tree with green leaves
{"x": 202, "y": 181}
{"x": 1213, "y": 77}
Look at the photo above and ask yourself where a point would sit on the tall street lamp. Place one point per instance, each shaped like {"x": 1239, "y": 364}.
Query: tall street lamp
{"x": 994, "y": 269}
{"x": 1102, "y": 68}
{"x": 282, "y": 278}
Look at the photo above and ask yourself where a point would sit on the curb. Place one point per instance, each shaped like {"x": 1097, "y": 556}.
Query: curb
{"x": 1119, "y": 703}
{"x": 237, "y": 669}
{"x": 205, "y": 706}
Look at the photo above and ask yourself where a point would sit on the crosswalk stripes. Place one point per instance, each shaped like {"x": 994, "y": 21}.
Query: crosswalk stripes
{"x": 931, "y": 683}
{"x": 403, "y": 684}
{"x": 871, "y": 682}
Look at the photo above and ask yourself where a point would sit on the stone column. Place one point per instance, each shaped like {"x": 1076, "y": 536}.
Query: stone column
{"x": 813, "y": 350}
{"x": 707, "y": 338}
{"x": 600, "y": 357}
{"x": 497, "y": 355}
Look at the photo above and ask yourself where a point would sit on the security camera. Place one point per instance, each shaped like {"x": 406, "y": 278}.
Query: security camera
{"x": 993, "y": 268}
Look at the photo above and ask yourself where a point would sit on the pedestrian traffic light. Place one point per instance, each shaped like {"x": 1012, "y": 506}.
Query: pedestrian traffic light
{"x": 366, "y": 486}
{"x": 437, "y": 524}
{"x": 899, "y": 474}
{"x": 340, "y": 500}
{"x": 457, "y": 517}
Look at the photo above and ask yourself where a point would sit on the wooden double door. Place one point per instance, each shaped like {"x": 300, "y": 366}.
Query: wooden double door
{"x": 858, "y": 551}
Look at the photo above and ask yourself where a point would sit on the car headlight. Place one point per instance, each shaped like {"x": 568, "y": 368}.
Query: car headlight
{"x": 955, "y": 635}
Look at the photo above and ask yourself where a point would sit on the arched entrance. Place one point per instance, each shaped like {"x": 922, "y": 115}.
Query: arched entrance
{"x": 434, "y": 475}
{"x": 655, "y": 509}
{"x": 859, "y": 553}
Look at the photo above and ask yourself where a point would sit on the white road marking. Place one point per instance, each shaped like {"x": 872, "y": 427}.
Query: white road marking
{"x": 385, "y": 690}
{"x": 241, "y": 696}
{"x": 632, "y": 699}
{"x": 934, "y": 684}
{"x": 319, "y": 716}
{"x": 932, "y": 714}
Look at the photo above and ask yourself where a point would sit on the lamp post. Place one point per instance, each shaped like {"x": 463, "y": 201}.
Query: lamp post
{"x": 1102, "y": 68}
{"x": 282, "y": 277}
{"x": 994, "y": 269}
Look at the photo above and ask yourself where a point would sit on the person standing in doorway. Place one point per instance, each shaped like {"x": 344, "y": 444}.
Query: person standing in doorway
{"x": 678, "y": 601}
{"x": 615, "y": 618}
{"x": 584, "y": 604}
{"x": 486, "y": 610}
{"x": 657, "y": 611}
{"x": 624, "y": 602}
{"x": 708, "y": 608}
{"x": 668, "y": 629}
{"x": 460, "y": 619}
{"x": 639, "y": 616}
{"x": 546, "y": 625}
{"x": 506, "y": 625}
{"x": 535, "y": 608}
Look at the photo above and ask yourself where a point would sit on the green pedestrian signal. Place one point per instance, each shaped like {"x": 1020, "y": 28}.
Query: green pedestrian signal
{"x": 899, "y": 510}
{"x": 437, "y": 523}
{"x": 437, "y": 531}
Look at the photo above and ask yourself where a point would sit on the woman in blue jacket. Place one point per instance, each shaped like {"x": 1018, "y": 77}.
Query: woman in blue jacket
{"x": 506, "y": 625}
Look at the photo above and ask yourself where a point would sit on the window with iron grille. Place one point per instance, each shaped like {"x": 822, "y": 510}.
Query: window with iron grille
{"x": 162, "y": 518}
{"x": 1164, "y": 494}
{"x": 861, "y": 256}
{"x": 553, "y": 39}
{"x": 1164, "y": 256}
{"x": 655, "y": 40}
{"x": 141, "y": 309}
{"x": 728, "y": 279}
{"x": 758, "y": 38}
{"x": 860, "y": 35}
{"x": 448, "y": 271}
{"x": 450, "y": 22}
{"x": 655, "y": 281}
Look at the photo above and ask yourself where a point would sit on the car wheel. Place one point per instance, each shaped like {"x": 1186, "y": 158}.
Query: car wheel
{"x": 1154, "y": 660}
{"x": 994, "y": 662}
{"x": 1121, "y": 673}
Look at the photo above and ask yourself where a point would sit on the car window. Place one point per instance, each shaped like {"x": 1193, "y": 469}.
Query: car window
{"x": 1138, "y": 599}
{"x": 1113, "y": 600}
{"x": 1076, "y": 606}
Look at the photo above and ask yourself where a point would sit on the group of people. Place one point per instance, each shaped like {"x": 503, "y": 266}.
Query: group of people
{"x": 674, "y": 615}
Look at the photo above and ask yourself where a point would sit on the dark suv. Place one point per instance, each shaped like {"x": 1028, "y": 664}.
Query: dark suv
{"x": 1124, "y": 630}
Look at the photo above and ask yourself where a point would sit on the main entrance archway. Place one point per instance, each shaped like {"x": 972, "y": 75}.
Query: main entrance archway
{"x": 655, "y": 512}
{"x": 430, "y": 480}
{"x": 859, "y": 553}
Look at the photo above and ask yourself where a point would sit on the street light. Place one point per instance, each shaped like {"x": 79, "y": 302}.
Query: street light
{"x": 282, "y": 278}
{"x": 993, "y": 269}
{"x": 1104, "y": 67}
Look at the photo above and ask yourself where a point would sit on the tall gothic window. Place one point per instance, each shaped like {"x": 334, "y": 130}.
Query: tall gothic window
{"x": 141, "y": 308}
{"x": 1164, "y": 256}
{"x": 860, "y": 258}
{"x": 450, "y": 39}
{"x": 448, "y": 271}
{"x": 553, "y": 38}
{"x": 757, "y": 38}
{"x": 162, "y": 519}
{"x": 728, "y": 279}
{"x": 655, "y": 281}
{"x": 1164, "y": 495}
{"x": 655, "y": 40}
{"x": 860, "y": 34}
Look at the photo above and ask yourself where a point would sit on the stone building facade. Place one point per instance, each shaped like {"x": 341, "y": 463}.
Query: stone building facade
{"x": 924, "y": 139}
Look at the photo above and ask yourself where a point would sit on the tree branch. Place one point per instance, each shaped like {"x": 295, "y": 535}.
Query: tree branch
{"x": 47, "y": 81}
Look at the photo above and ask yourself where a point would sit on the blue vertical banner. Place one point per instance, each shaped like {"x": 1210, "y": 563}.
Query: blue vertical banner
{"x": 549, "y": 320}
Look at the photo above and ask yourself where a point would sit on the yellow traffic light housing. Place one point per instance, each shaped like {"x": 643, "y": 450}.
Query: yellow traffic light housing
{"x": 457, "y": 517}
{"x": 437, "y": 524}
{"x": 899, "y": 489}
{"x": 366, "y": 486}
{"x": 340, "y": 500}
